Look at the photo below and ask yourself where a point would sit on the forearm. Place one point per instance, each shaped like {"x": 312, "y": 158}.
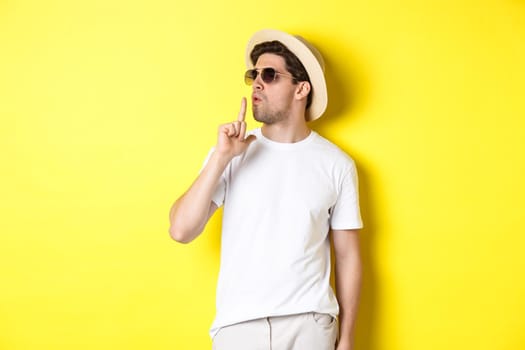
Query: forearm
{"x": 348, "y": 286}
{"x": 190, "y": 213}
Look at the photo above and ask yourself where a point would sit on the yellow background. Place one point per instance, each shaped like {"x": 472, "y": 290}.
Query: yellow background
{"x": 108, "y": 108}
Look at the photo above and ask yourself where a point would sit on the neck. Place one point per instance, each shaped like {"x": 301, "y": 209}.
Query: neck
{"x": 286, "y": 131}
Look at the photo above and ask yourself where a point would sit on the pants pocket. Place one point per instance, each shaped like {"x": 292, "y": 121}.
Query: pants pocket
{"x": 323, "y": 319}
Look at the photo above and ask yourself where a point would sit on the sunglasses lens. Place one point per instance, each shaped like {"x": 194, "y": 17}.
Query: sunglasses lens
{"x": 250, "y": 76}
{"x": 268, "y": 75}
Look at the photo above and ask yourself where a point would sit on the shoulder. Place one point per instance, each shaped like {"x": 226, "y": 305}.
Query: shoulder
{"x": 331, "y": 151}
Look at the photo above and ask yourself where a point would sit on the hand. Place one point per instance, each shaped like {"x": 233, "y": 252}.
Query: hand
{"x": 231, "y": 140}
{"x": 344, "y": 347}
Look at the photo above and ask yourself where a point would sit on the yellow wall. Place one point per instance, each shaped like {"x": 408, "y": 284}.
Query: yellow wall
{"x": 108, "y": 108}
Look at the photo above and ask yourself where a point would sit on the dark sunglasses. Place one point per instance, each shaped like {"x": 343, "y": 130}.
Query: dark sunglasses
{"x": 268, "y": 75}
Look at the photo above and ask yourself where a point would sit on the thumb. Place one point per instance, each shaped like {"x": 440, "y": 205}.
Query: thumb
{"x": 250, "y": 139}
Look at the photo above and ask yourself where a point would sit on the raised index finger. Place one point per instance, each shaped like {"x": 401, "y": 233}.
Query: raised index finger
{"x": 242, "y": 112}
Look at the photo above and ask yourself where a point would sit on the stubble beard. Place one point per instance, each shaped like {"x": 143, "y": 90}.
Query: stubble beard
{"x": 268, "y": 117}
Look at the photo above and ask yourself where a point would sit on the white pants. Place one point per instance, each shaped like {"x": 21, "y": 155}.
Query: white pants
{"x": 308, "y": 331}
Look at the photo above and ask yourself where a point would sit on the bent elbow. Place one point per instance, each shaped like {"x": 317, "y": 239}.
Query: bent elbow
{"x": 179, "y": 235}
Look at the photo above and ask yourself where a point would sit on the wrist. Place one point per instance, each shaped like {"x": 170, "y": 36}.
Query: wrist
{"x": 344, "y": 344}
{"x": 221, "y": 159}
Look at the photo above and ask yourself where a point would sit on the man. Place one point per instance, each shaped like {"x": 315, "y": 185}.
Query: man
{"x": 285, "y": 190}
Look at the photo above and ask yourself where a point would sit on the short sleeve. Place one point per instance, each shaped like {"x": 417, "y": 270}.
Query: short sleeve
{"x": 346, "y": 213}
{"x": 220, "y": 190}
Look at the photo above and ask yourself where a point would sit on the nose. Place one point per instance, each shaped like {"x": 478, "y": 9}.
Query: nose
{"x": 258, "y": 83}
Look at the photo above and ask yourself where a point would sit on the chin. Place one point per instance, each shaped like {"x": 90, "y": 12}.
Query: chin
{"x": 270, "y": 118}
{"x": 258, "y": 117}
{"x": 264, "y": 120}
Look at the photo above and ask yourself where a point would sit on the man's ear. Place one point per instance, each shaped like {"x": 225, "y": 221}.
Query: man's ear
{"x": 303, "y": 89}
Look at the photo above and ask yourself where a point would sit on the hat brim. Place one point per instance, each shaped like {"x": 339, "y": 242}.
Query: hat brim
{"x": 309, "y": 57}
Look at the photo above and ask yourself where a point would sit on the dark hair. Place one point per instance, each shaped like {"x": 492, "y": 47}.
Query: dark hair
{"x": 293, "y": 65}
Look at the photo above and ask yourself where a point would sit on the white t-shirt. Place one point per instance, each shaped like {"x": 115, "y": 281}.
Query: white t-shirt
{"x": 280, "y": 200}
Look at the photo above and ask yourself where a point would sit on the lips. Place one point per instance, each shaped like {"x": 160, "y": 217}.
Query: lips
{"x": 256, "y": 98}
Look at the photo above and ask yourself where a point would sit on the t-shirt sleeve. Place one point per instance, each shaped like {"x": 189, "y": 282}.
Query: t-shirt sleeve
{"x": 220, "y": 190}
{"x": 346, "y": 214}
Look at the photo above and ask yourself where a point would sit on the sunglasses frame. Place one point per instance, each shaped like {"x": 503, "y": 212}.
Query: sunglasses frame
{"x": 249, "y": 76}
